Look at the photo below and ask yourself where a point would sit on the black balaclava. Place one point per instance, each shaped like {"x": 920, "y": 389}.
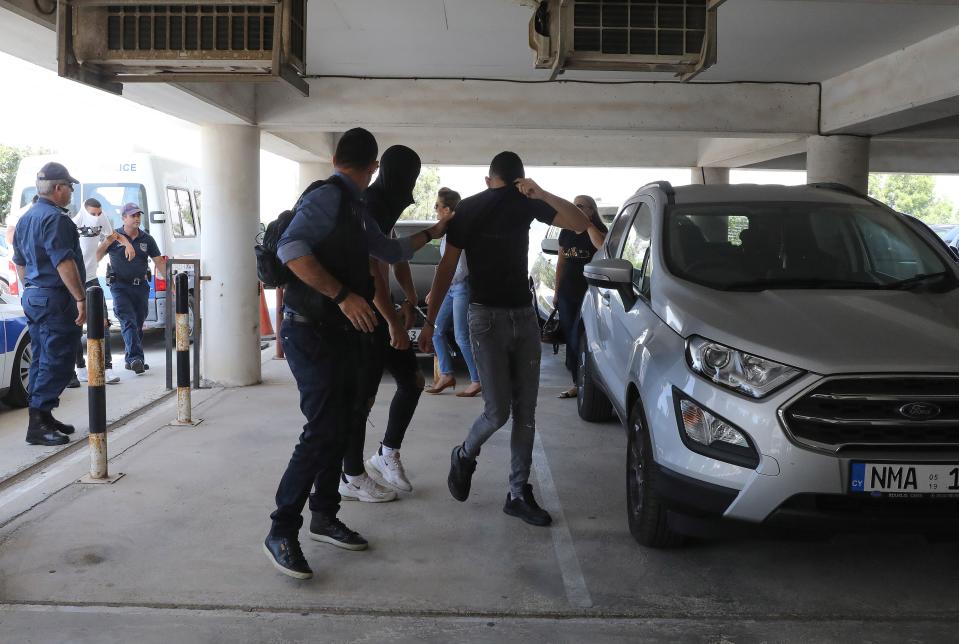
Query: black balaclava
{"x": 393, "y": 188}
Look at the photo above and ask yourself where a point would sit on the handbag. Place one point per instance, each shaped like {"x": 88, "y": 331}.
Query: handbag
{"x": 552, "y": 332}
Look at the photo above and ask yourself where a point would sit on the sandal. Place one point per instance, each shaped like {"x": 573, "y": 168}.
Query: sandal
{"x": 568, "y": 394}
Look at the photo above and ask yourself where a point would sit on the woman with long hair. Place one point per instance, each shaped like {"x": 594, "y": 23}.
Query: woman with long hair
{"x": 454, "y": 312}
{"x": 575, "y": 251}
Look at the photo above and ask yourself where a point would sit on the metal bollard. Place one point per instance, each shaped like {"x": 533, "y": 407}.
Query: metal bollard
{"x": 96, "y": 391}
{"x": 183, "y": 399}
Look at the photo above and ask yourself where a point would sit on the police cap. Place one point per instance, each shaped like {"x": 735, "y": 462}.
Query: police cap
{"x": 54, "y": 171}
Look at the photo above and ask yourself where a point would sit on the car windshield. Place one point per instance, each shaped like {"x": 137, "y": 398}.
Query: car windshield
{"x": 759, "y": 246}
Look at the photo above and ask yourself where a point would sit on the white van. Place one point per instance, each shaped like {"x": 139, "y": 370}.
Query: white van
{"x": 167, "y": 190}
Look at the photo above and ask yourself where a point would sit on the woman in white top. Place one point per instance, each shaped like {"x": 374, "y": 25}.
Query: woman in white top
{"x": 454, "y": 312}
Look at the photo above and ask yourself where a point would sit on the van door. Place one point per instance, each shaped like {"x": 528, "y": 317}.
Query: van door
{"x": 627, "y": 324}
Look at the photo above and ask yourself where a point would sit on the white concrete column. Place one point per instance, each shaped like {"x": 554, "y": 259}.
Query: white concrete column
{"x": 310, "y": 172}
{"x": 709, "y": 176}
{"x": 230, "y": 163}
{"x": 838, "y": 159}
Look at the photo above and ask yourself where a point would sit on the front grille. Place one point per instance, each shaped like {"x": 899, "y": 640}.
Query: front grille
{"x": 852, "y": 412}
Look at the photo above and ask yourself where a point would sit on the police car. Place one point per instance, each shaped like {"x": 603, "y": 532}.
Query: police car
{"x": 16, "y": 355}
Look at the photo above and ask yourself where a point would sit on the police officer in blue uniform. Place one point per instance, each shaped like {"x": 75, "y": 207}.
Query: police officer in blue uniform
{"x": 130, "y": 283}
{"x": 46, "y": 251}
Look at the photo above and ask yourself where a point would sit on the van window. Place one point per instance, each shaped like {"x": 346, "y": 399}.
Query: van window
{"x": 196, "y": 209}
{"x": 113, "y": 196}
{"x": 181, "y": 212}
{"x": 27, "y": 195}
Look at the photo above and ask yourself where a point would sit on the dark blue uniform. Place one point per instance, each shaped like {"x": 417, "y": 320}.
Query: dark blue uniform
{"x": 131, "y": 290}
{"x": 46, "y": 236}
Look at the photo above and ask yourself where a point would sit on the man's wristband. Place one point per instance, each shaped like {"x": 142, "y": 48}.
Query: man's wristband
{"x": 342, "y": 295}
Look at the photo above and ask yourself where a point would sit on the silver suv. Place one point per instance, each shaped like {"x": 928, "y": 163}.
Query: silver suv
{"x": 786, "y": 356}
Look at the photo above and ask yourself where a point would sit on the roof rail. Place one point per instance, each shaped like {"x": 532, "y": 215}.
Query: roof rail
{"x": 666, "y": 187}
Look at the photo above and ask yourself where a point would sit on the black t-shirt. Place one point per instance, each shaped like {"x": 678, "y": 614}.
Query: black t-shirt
{"x": 578, "y": 250}
{"x": 493, "y": 228}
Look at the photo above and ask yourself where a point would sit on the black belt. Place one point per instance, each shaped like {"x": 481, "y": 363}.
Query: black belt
{"x": 137, "y": 281}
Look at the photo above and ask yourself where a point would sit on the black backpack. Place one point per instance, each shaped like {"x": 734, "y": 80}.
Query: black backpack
{"x": 269, "y": 269}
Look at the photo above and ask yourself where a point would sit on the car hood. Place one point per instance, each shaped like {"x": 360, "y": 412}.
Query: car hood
{"x": 822, "y": 331}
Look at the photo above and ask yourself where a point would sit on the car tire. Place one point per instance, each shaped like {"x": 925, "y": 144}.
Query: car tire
{"x": 645, "y": 509}
{"x": 18, "y": 394}
{"x": 591, "y": 402}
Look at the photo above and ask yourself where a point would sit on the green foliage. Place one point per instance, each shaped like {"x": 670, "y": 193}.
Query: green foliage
{"x": 914, "y": 195}
{"x": 9, "y": 162}
{"x": 424, "y": 195}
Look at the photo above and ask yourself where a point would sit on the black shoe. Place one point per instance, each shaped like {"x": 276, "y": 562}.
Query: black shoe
{"x": 136, "y": 366}
{"x": 461, "y": 474}
{"x": 332, "y": 531}
{"x": 41, "y": 432}
{"x": 63, "y": 428}
{"x": 526, "y": 508}
{"x": 74, "y": 382}
{"x": 286, "y": 556}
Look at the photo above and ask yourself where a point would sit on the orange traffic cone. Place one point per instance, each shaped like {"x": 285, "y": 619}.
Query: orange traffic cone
{"x": 266, "y": 327}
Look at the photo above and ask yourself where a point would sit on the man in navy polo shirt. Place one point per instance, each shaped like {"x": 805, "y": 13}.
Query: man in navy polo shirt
{"x": 130, "y": 286}
{"x": 46, "y": 251}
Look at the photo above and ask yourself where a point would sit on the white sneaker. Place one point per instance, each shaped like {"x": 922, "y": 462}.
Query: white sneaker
{"x": 110, "y": 378}
{"x": 82, "y": 374}
{"x": 365, "y": 489}
{"x": 387, "y": 469}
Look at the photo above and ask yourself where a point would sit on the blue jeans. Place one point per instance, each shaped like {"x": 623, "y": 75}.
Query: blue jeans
{"x": 454, "y": 312}
{"x": 130, "y": 306}
{"x": 51, "y": 314}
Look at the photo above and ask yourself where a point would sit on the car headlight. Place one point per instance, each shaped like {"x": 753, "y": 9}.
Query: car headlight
{"x": 705, "y": 433}
{"x": 742, "y": 372}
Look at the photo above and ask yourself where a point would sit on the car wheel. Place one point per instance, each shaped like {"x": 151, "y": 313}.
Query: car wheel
{"x": 591, "y": 403}
{"x": 645, "y": 509}
{"x": 18, "y": 395}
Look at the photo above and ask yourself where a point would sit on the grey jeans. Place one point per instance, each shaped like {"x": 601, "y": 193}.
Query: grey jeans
{"x": 506, "y": 347}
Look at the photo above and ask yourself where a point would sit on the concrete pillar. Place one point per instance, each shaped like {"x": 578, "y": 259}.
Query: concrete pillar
{"x": 709, "y": 176}
{"x": 230, "y": 163}
{"x": 310, "y": 172}
{"x": 838, "y": 159}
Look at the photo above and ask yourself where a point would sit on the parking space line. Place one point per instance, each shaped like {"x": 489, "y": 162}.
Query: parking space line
{"x": 577, "y": 594}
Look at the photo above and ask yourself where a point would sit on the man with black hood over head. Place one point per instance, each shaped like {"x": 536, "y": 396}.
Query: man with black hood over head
{"x": 383, "y": 474}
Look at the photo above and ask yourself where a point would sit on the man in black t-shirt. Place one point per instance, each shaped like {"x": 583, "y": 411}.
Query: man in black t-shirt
{"x": 493, "y": 227}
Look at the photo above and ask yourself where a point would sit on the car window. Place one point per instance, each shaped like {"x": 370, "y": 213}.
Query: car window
{"x": 756, "y": 246}
{"x": 181, "y": 212}
{"x": 27, "y": 196}
{"x": 637, "y": 241}
{"x": 614, "y": 240}
{"x": 428, "y": 254}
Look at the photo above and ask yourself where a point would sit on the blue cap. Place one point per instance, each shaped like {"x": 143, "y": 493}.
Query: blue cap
{"x": 54, "y": 171}
{"x": 131, "y": 209}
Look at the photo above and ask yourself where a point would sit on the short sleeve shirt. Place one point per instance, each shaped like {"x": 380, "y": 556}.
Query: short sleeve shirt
{"x": 493, "y": 228}
{"x": 46, "y": 236}
{"x": 129, "y": 270}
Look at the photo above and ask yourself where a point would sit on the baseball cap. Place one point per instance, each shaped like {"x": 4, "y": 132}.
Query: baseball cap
{"x": 131, "y": 209}
{"x": 54, "y": 171}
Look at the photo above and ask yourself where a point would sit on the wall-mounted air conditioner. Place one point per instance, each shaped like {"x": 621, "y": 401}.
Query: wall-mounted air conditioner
{"x": 128, "y": 41}
{"x": 676, "y": 36}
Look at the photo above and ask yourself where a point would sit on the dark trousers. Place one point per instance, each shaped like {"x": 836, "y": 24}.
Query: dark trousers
{"x": 51, "y": 314}
{"x": 130, "y": 306}
{"x": 405, "y": 370}
{"x": 328, "y": 365}
{"x": 81, "y": 345}
{"x": 568, "y": 306}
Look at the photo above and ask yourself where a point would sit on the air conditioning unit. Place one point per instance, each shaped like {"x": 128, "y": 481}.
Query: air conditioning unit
{"x": 676, "y": 36}
{"x": 130, "y": 41}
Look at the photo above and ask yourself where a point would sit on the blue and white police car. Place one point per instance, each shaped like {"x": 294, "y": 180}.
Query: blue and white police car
{"x": 16, "y": 355}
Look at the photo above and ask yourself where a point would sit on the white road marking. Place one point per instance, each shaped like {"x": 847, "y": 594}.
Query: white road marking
{"x": 577, "y": 594}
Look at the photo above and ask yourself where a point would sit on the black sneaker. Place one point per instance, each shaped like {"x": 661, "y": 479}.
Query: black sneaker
{"x": 526, "y": 508}
{"x": 286, "y": 556}
{"x": 74, "y": 382}
{"x": 136, "y": 366}
{"x": 461, "y": 474}
{"x": 333, "y": 531}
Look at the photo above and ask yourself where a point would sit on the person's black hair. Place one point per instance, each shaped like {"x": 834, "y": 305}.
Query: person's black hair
{"x": 507, "y": 166}
{"x": 92, "y": 203}
{"x": 356, "y": 149}
{"x": 449, "y": 198}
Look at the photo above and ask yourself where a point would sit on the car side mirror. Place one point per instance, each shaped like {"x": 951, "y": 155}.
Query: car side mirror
{"x": 157, "y": 217}
{"x": 550, "y": 246}
{"x": 615, "y": 274}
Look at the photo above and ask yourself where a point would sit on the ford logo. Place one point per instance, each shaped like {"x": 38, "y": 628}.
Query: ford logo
{"x": 920, "y": 411}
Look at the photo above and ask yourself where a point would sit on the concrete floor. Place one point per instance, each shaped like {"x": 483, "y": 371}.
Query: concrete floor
{"x": 171, "y": 553}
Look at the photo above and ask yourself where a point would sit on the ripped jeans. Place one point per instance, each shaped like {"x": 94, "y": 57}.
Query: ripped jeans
{"x": 506, "y": 347}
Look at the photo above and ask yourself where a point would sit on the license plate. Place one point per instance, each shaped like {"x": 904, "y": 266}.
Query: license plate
{"x": 904, "y": 478}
